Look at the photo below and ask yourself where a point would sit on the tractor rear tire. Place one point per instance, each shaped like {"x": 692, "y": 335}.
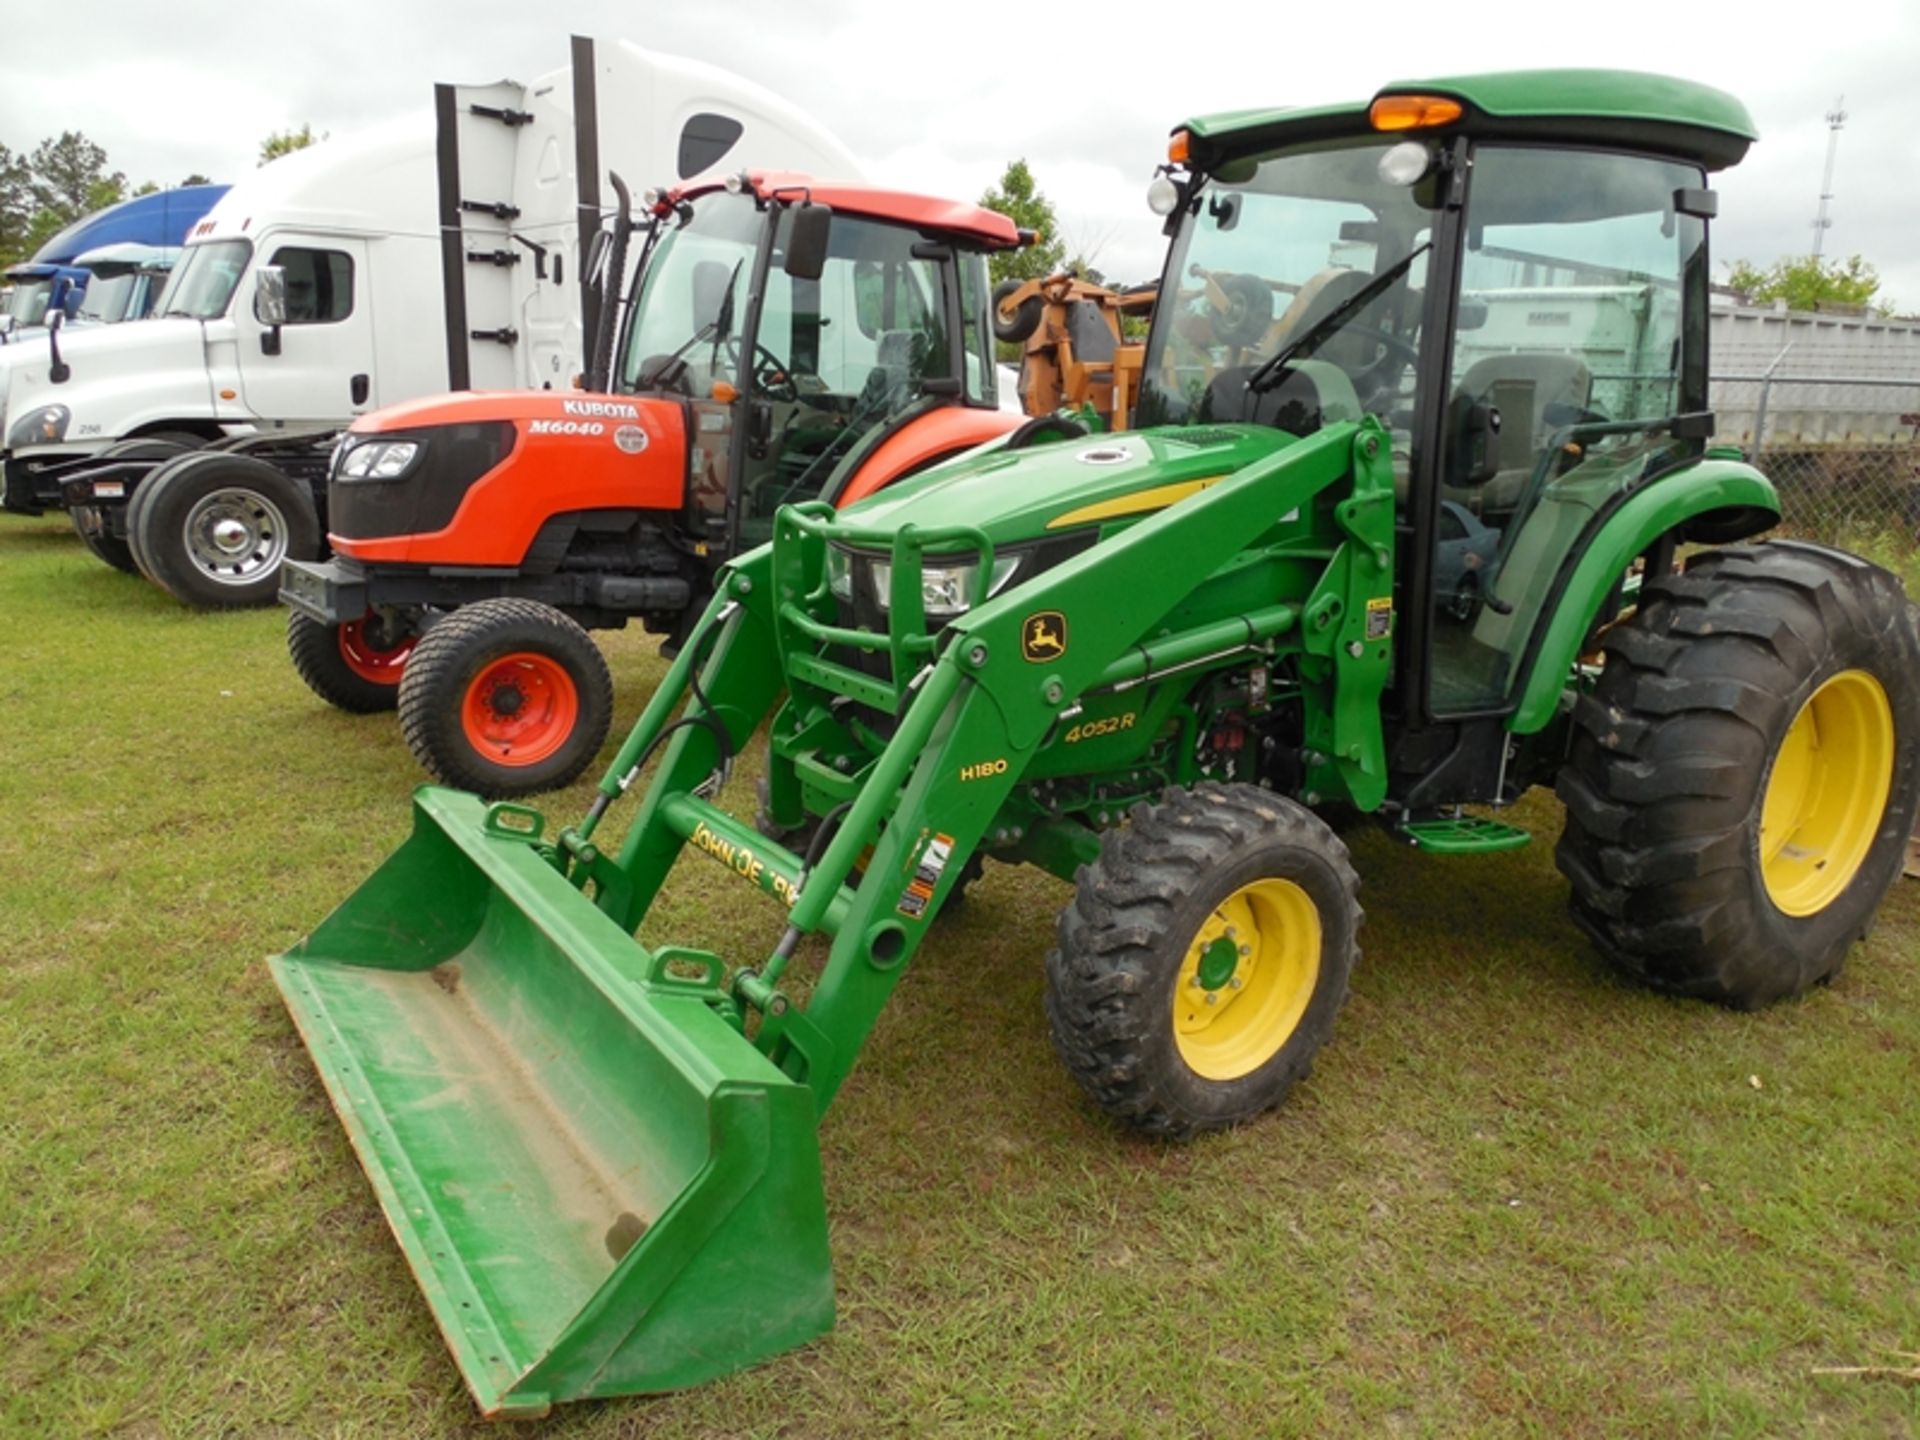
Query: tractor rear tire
{"x": 1203, "y": 959}
{"x": 348, "y": 666}
{"x": 1026, "y": 319}
{"x": 505, "y": 698}
{"x": 1744, "y": 776}
{"x": 212, "y": 527}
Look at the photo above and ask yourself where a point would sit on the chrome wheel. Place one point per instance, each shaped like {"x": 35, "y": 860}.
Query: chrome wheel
{"x": 235, "y": 536}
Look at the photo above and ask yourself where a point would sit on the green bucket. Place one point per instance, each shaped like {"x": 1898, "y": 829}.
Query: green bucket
{"x": 602, "y": 1187}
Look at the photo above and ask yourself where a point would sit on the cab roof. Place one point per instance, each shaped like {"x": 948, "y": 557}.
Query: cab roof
{"x": 1608, "y": 107}
{"x": 958, "y": 219}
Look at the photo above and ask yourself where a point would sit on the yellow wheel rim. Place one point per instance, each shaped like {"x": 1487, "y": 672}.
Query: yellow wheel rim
{"x": 1827, "y": 794}
{"x": 1246, "y": 979}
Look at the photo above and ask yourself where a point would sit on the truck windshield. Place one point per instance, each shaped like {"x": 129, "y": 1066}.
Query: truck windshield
{"x": 109, "y": 293}
{"x": 28, "y": 304}
{"x": 203, "y": 283}
{"x": 1308, "y": 255}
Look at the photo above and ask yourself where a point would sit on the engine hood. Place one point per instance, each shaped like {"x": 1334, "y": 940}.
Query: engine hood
{"x": 566, "y": 413}
{"x": 1096, "y": 481}
{"x": 100, "y": 353}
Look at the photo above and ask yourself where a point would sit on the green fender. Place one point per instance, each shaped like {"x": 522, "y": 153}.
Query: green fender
{"x": 1669, "y": 503}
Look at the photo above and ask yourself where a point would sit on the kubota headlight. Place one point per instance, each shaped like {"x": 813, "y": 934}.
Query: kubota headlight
{"x": 379, "y": 460}
{"x": 45, "y": 426}
{"x": 946, "y": 589}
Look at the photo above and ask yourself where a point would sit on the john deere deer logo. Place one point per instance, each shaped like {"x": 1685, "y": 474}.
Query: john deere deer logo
{"x": 1043, "y": 637}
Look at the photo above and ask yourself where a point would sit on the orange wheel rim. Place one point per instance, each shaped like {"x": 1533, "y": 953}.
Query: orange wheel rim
{"x": 368, "y": 660}
{"x": 520, "y": 709}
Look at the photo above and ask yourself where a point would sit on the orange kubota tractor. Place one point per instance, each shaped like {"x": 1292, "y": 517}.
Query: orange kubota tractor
{"x": 785, "y": 340}
{"x": 1075, "y": 351}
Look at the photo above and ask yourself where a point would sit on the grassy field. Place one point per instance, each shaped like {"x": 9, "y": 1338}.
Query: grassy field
{"x": 1517, "y": 1197}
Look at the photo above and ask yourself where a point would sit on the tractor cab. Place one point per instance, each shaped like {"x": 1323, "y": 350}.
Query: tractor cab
{"x": 804, "y": 326}
{"x": 1509, "y": 273}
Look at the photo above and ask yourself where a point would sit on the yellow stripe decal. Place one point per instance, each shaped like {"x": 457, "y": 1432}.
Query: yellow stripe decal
{"x": 1138, "y": 503}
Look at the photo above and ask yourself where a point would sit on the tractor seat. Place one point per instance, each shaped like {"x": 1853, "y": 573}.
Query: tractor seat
{"x": 1522, "y": 387}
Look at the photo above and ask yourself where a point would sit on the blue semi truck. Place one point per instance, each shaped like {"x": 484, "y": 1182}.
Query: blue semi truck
{"x": 130, "y": 242}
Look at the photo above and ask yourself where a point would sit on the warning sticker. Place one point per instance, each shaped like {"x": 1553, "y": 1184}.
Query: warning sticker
{"x": 926, "y": 876}
{"x": 1380, "y": 618}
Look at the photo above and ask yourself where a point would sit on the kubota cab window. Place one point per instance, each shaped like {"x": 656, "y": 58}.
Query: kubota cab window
{"x": 1292, "y": 294}
{"x": 1577, "y": 273}
{"x": 836, "y": 360}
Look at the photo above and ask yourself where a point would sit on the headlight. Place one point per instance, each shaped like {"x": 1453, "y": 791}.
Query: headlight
{"x": 379, "y": 460}
{"x": 945, "y": 589}
{"x": 45, "y": 426}
{"x": 840, "y": 574}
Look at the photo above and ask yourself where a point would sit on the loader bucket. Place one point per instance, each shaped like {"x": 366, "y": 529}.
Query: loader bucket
{"x": 601, "y": 1186}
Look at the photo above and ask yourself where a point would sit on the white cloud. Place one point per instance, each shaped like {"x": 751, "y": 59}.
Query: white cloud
{"x": 941, "y": 100}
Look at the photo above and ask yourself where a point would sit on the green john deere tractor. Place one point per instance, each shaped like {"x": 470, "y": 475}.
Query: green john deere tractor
{"x": 1424, "y": 443}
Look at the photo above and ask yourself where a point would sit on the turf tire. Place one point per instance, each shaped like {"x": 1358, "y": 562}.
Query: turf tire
{"x": 454, "y": 655}
{"x": 1673, "y": 750}
{"x": 1110, "y": 981}
{"x": 315, "y": 650}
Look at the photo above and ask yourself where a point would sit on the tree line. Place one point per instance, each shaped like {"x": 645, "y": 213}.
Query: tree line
{"x": 46, "y": 189}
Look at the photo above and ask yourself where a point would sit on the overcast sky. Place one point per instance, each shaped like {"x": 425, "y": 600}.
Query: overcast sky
{"x": 940, "y": 98}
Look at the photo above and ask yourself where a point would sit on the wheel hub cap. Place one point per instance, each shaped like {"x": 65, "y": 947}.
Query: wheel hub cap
{"x": 235, "y": 536}
{"x": 1247, "y": 978}
{"x": 1827, "y": 795}
{"x": 520, "y": 709}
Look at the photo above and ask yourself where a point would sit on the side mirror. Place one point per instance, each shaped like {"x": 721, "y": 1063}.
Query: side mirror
{"x": 807, "y": 241}
{"x": 58, "y": 372}
{"x": 270, "y": 305}
{"x": 1471, "y": 314}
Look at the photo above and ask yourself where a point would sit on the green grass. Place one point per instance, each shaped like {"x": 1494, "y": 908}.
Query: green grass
{"x": 1517, "y": 1196}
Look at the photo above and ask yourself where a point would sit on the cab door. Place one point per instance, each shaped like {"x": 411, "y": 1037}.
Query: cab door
{"x": 324, "y": 369}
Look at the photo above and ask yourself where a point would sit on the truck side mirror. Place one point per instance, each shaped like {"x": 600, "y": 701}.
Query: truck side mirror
{"x": 807, "y": 242}
{"x": 270, "y": 305}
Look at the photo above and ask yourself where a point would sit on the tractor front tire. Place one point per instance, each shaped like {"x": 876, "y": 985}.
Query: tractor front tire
{"x": 506, "y": 698}
{"x": 354, "y": 667}
{"x": 1203, "y": 959}
{"x": 211, "y": 528}
{"x": 1744, "y": 776}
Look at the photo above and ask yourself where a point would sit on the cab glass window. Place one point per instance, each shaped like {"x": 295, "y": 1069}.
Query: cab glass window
{"x": 319, "y": 284}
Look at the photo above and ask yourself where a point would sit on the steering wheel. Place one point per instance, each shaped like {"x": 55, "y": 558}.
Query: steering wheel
{"x": 772, "y": 377}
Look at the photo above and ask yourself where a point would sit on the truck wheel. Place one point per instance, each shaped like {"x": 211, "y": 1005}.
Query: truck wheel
{"x": 1203, "y": 959}
{"x": 355, "y": 667}
{"x": 211, "y": 529}
{"x": 113, "y": 551}
{"x": 506, "y": 697}
{"x": 1024, "y": 321}
{"x": 1745, "y": 774}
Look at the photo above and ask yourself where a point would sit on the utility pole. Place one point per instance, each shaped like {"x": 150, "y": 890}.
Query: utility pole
{"x": 1836, "y": 118}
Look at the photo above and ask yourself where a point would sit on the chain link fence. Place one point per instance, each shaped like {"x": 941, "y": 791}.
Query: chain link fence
{"x": 1843, "y": 450}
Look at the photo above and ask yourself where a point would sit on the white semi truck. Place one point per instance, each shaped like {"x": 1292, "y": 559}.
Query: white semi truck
{"x": 424, "y": 256}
